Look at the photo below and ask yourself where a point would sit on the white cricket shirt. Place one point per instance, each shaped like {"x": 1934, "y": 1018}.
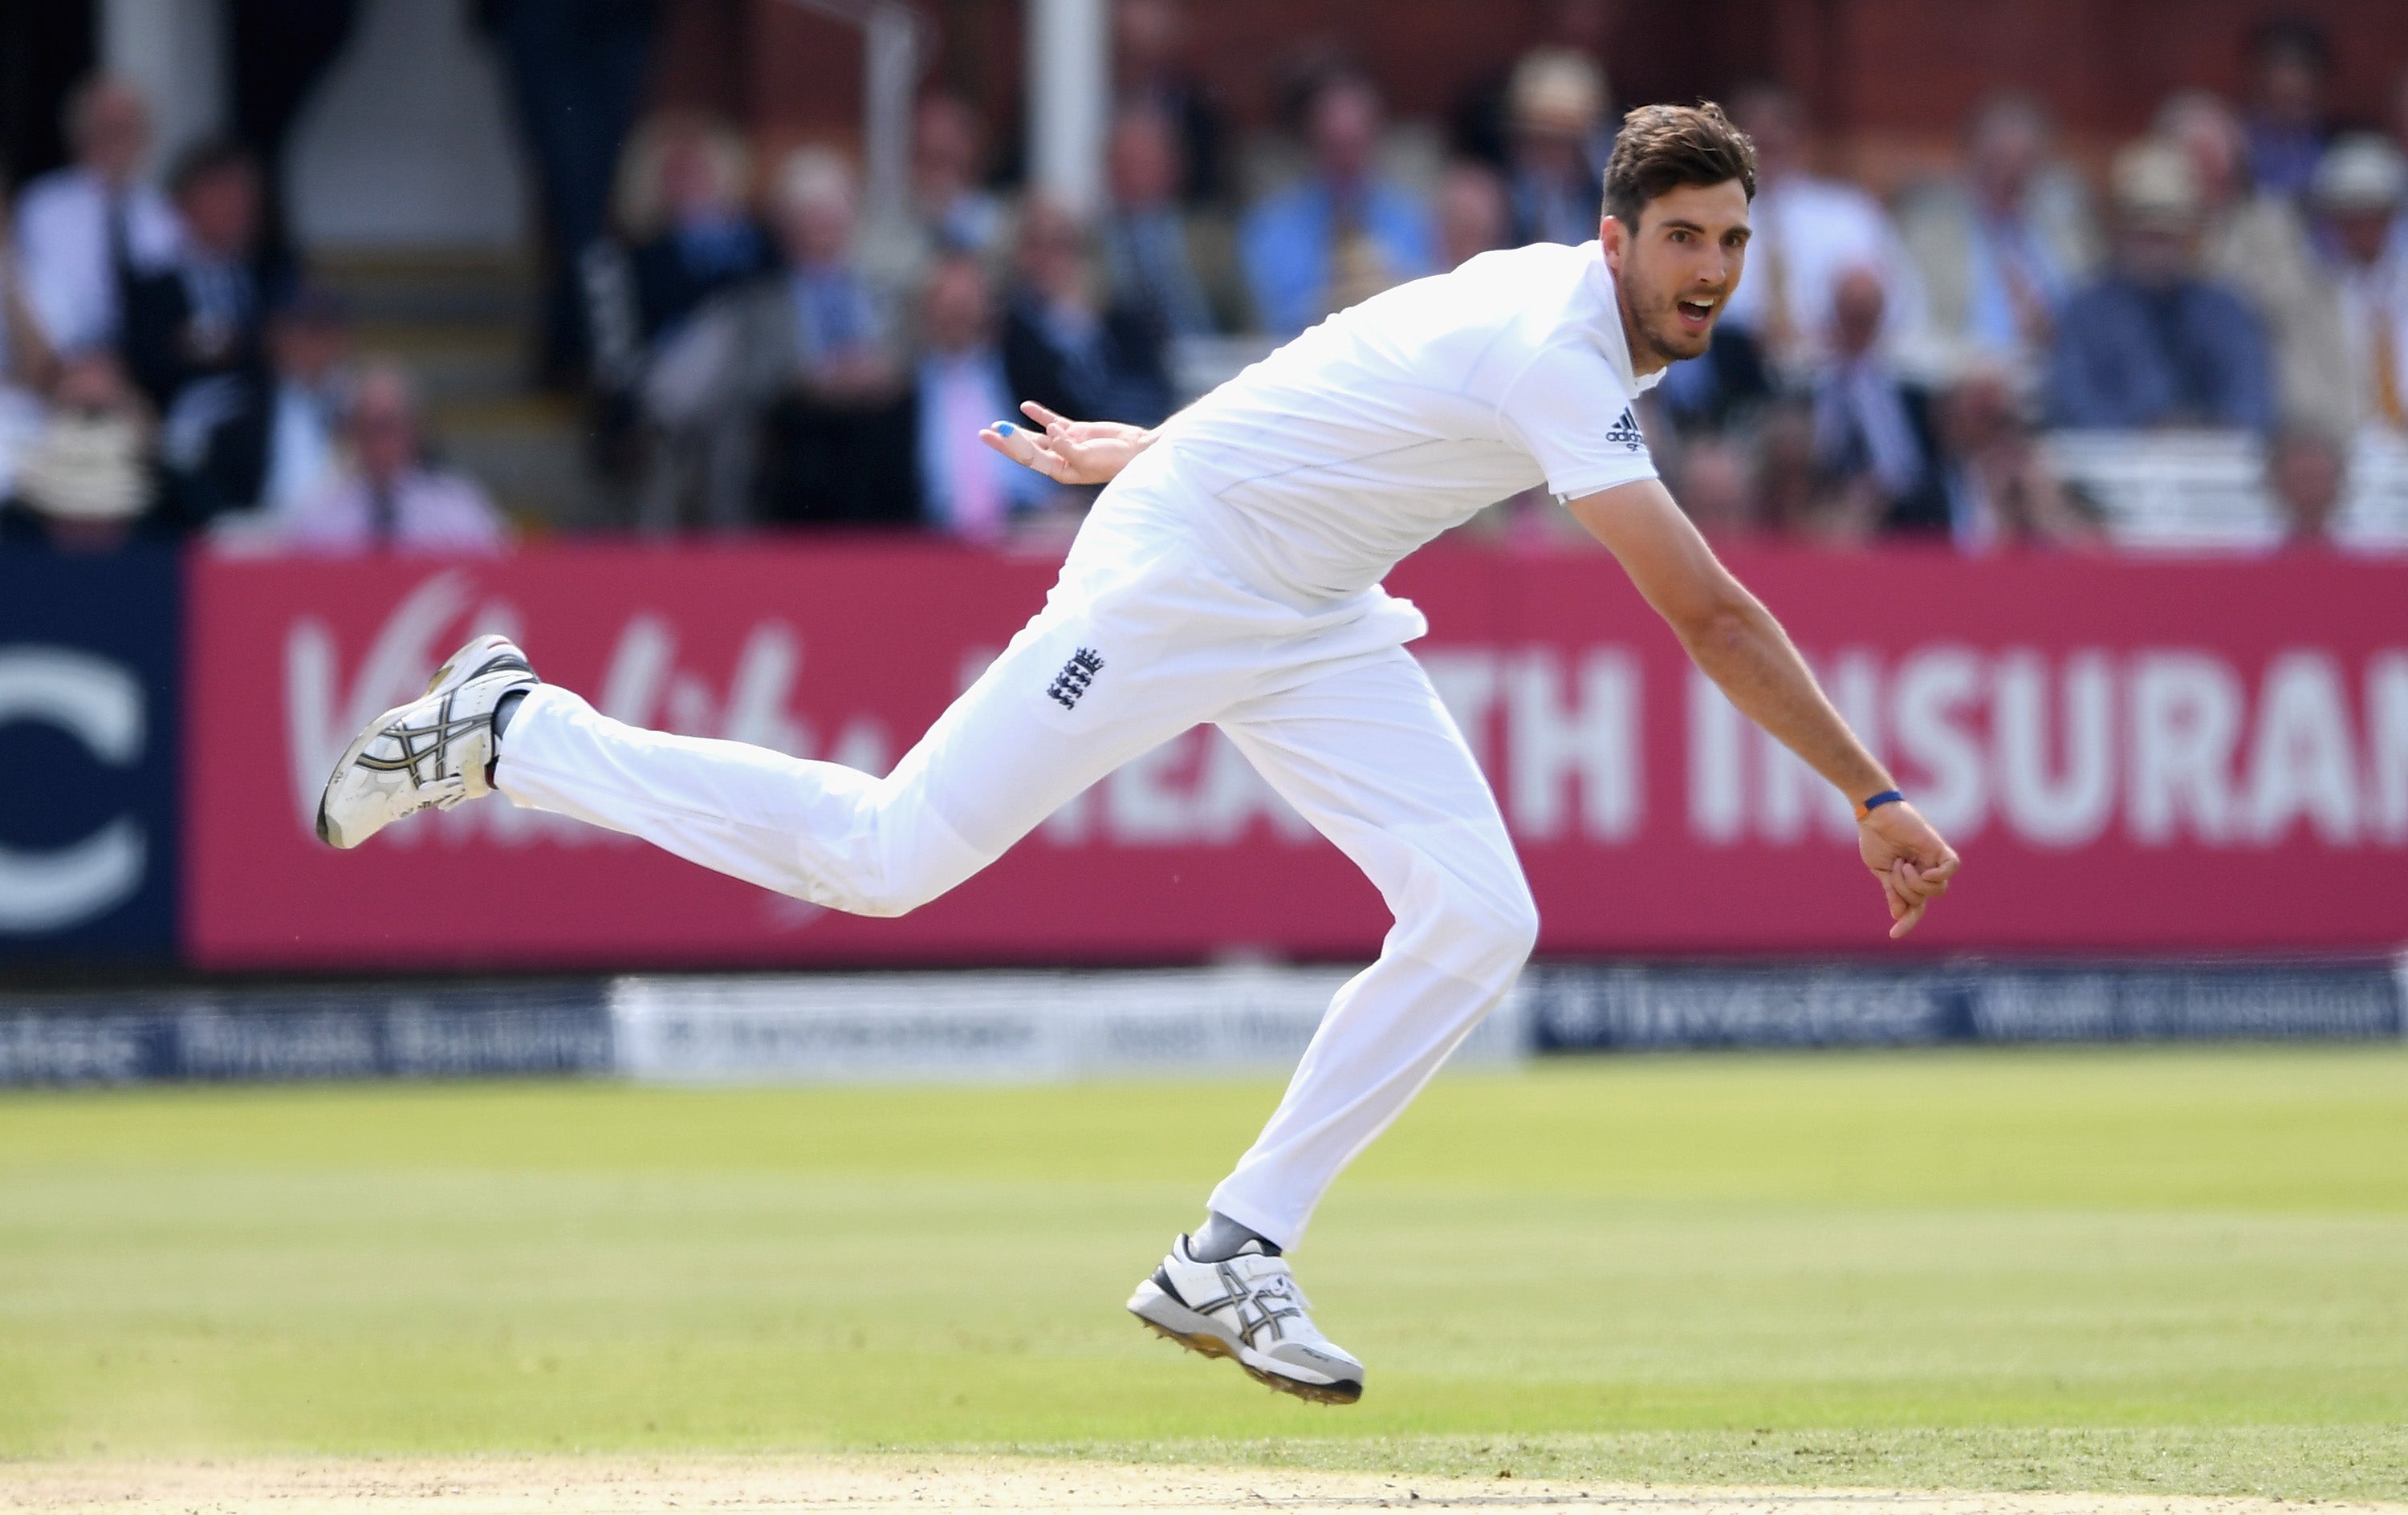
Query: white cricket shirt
{"x": 1316, "y": 469}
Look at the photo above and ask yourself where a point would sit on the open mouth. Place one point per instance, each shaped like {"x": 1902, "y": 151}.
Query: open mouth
{"x": 1695, "y": 315}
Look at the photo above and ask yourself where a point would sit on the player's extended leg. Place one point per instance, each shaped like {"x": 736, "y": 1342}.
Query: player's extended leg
{"x": 1371, "y": 757}
{"x": 817, "y": 831}
{"x": 1049, "y": 718}
{"x": 1002, "y": 758}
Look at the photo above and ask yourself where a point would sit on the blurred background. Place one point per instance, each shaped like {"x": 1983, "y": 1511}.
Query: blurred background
{"x": 660, "y": 330}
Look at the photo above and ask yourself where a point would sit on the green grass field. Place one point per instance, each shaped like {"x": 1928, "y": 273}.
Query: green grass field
{"x": 2182, "y": 1270}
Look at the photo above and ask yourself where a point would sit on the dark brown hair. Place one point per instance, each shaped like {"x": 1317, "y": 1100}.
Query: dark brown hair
{"x": 1662, "y": 147}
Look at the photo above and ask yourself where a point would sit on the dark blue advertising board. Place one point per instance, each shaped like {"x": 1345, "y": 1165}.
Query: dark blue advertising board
{"x": 89, "y": 706}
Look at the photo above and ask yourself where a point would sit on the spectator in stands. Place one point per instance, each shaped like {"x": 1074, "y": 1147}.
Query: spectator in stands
{"x": 1150, "y": 49}
{"x": 1152, "y": 245}
{"x": 1996, "y": 489}
{"x": 2001, "y": 246}
{"x": 2291, "y": 65}
{"x": 955, "y": 212}
{"x": 806, "y": 365}
{"x": 844, "y": 343}
{"x": 2153, "y": 343}
{"x": 2307, "y": 470}
{"x": 27, "y": 364}
{"x": 1345, "y": 231}
{"x": 392, "y": 497}
{"x": 1473, "y": 217}
{"x": 194, "y": 338}
{"x": 1809, "y": 231}
{"x": 1556, "y": 104}
{"x": 1715, "y": 483}
{"x": 1725, "y": 389}
{"x": 2257, "y": 244}
{"x": 309, "y": 341}
{"x": 1872, "y": 428}
{"x": 2359, "y": 190}
{"x": 85, "y": 481}
{"x": 1797, "y": 500}
{"x": 1483, "y": 123}
{"x": 838, "y": 433}
{"x": 1064, "y": 347}
{"x": 84, "y": 228}
{"x": 685, "y": 203}
{"x": 685, "y": 233}
{"x": 966, "y": 488}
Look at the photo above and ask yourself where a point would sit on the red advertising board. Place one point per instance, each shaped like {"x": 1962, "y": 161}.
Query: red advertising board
{"x": 2133, "y": 757}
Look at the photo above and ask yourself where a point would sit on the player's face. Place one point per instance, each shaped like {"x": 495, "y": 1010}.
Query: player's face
{"x": 1678, "y": 271}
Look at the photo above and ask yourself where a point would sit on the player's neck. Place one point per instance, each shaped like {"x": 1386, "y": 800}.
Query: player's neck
{"x": 1644, "y": 357}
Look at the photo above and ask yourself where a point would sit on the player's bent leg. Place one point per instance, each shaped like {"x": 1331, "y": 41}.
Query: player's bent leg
{"x": 1371, "y": 758}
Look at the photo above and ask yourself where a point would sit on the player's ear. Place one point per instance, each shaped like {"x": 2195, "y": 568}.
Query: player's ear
{"x": 1616, "y": 239}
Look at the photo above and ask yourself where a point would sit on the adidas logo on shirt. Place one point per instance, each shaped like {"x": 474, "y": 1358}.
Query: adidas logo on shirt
{"x": 1627, "y": 432}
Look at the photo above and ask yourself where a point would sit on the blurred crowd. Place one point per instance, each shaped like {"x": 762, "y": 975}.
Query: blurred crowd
{"x": 164, "y": 369}
{"x": 758, "y": 351}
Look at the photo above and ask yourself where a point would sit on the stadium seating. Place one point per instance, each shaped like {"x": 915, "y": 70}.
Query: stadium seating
{"x": 2181, "y": 492}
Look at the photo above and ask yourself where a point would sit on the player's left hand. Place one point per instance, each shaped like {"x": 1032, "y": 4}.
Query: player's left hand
{"x": 1067, "y": 452}
{"x": 1911, "y": 860}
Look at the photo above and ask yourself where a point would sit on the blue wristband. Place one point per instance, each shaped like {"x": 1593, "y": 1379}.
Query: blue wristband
{"x": 1888, "y": 796}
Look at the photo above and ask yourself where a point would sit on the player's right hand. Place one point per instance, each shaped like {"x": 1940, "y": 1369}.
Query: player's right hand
{"x": 1067, "y": 452}
{"x": 1911, "y": 859}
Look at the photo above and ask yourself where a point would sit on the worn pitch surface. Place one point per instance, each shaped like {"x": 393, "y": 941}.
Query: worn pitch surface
{"x": 1009, "y": 1486}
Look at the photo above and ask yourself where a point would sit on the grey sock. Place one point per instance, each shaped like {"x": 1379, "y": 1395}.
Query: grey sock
{"x": 504, "y": 708}
{"x": 1220, "y": 1238}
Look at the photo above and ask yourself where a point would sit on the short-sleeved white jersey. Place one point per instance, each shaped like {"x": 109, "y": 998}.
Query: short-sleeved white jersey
{"x": 1316, "y": 469}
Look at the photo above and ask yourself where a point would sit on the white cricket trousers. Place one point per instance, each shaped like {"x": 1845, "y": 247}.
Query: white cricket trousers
{"x": 1143, "y": 639}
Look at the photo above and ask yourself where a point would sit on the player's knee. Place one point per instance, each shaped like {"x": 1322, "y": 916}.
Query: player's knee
{"x": 897, "y": 859}
{"x": 889, "y": 892}
{"x": 1487, "y": 928}
{"x": 1517, "y": 926}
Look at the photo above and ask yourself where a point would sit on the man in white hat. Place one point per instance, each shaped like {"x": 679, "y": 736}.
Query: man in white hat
{"x": 2359, "y": 188}
{"x": 2257, "y": 243}
{"x": 2152, "y": 344}
{"x": 1554, "y": 104}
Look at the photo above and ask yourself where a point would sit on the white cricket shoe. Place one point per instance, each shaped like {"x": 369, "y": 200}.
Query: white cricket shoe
{"x": 434, "y": 751}
{"x": 1248, "y": 1309}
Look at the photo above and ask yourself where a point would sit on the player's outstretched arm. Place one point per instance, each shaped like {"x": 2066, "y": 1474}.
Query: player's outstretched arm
{"x": 1067, "y": 452}
{"x": 1735, "y": 640}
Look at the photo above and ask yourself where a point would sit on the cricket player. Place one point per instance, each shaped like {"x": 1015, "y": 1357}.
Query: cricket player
{"x": 1230, "y": 572}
